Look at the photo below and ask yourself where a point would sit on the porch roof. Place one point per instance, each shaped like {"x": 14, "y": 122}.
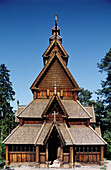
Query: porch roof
{"x": 39, "y": 133}
{"x": 83, "y": 135}
{"x": 25, "y": 134}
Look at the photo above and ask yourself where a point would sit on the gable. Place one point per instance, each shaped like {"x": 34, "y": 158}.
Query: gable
{"x": 55, "y": 105}
{"x": 59, "y": 69}
{"x": 55, "y": 73}
{"x": 51, "y": 49}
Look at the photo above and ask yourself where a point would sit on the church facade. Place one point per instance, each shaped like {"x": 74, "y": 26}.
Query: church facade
{"x": 54, "y": 129}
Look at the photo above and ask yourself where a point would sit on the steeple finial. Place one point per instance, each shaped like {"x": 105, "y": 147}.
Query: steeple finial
{"x": 56, "y": 20}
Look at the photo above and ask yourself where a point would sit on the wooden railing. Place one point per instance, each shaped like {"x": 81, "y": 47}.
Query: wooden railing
{"x": 66, "y": 158}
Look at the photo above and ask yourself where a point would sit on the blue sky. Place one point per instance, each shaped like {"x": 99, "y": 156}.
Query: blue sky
{"x": 25, "y": 28}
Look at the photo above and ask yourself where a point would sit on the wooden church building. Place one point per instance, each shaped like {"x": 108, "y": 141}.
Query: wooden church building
{"x": 54, "y": 129}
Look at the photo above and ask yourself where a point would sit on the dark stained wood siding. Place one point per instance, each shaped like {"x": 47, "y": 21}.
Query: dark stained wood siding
{"x": 56, "y": 74}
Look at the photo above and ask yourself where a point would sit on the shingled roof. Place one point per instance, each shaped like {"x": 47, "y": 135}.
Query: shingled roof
{"x": 36, "y": 134}
{"x": 25, "y": 134}
{"x": 75, "y": 110}
{"x": 92, "y": 113}
{"x": 34, "y": 109}
{"x": 83, "y": 135}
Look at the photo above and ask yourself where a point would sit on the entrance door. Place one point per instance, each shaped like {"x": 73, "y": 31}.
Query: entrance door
{"x": 53, "y": 146}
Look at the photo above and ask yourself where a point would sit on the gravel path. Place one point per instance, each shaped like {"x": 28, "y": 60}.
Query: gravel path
{"x": 107, "y": 166}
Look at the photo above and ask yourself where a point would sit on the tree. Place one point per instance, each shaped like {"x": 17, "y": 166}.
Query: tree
{"x": 6, "y": 112}
{"x": 104, "y": 95}
{"x": 85, "y": 97}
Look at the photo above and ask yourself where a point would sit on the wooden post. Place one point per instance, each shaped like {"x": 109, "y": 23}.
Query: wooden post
{"x": 102, "y": 155}
{"x": 47, "y": 163}
{"x": 21, "y": 122}
{"x": 48, "y": 93}
{"x": 61, "y": 155}
{"x": 37, "y": 156}
{"x": 87, "y": 123}
{"x": 35, "y": 95}
{"x": 7, "y": 156}
{"x": 71, "y": 157}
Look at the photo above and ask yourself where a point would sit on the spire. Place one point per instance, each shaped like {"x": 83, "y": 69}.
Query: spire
{"x": 55, "y": 32}
{"x": 56, "y": 22}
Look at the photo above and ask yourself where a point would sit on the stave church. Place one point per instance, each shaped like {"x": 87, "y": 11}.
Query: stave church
{"x": 55, "y": 129}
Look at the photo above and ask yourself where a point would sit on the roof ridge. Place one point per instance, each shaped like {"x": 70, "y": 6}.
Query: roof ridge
{"x": 40, "y": 131}
{"x": 59, "y": 131}
{"x": 98, "y": 135}
{"x": 83, "y": 108}
{"x": 94, "y": 114}
{"x": 88, "y": 106}
{"x": 69, "y": 133}
{"x": 25, "y": 108}
{"x": 10, "y": 134}
{"x": 50, "y": 129}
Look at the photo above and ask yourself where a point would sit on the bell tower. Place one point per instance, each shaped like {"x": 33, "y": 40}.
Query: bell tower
{"x": 55, "y": 44}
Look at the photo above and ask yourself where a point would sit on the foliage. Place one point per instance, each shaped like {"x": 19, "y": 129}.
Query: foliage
{"x": 103, "y": 109}
{"x": 6, "y": 112}
{"x": 85, "y": 97}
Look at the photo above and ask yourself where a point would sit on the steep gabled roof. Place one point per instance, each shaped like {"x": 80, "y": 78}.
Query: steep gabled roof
{"x": 48, "y": 128}
{"x": 90, "y": 109}
{"x": 47, "y": 66}
{"x": 34, "y": 109}
{"x": 55, "y": 96}
{"x": 60, "y": 46}
{"x": 84, "y": 135}
{"x": 75, "y": 110}
{"x": 25, "y": 134}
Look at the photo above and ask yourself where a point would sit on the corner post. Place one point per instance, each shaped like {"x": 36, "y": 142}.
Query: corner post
{"x": 61, "y": 164}
{"x": 71, "y": 157}
{"x": 7, "y": 155}
{"x": 102, "y": 155}
{"x": 47, "y": 163}
{"x": 37, "y": 156}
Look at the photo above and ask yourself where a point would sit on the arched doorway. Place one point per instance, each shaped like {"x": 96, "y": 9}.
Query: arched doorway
{"x": 53, "y": 145}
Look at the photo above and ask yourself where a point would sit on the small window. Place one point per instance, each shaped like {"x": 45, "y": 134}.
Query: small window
{"x": 42, "y": 148}
{"x": 66, "y": 149}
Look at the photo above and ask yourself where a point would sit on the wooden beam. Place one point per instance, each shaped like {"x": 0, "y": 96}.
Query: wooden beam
{"x": 47, "y": 163}
{"x": 102, "y": 155}
{"x": 35, "y": 95}
{"x": 71, "y": 157}
{"x": 37, "y": 156}
{"x": 48, "y": 93}
{"x": 21, "y": 122}
{"x": 7, "y": 156}
{"x": 61, "y": 155}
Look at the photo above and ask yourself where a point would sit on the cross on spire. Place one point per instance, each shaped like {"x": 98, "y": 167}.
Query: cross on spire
{"x": 54, "y": 116}
{"x": 55, "y": 87}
